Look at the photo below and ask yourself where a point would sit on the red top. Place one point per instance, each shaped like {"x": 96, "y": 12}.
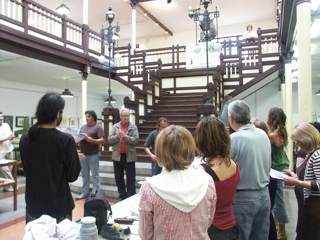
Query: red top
{"x": 224, "y": 217}
{"x": 123, "y": 146}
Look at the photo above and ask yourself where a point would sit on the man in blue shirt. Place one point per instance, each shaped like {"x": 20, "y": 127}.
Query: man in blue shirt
{"x": 251, "y": 149}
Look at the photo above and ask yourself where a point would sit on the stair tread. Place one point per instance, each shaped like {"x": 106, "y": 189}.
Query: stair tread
{"x": 176, "y": 105}
{"x": 138, "y": 164}
{"x": 175, "y": 121}
{"x": 111, "y": 175}
{"x": 181, "y": 96}
{"x": 152, "y": 127}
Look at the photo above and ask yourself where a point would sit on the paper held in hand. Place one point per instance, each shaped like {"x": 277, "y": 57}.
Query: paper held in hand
{"x": 276, "y": 174}
{"x": 75, "y": 133}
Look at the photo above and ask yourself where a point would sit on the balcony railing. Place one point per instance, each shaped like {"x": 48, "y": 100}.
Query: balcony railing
{"x": 241, "y": 60}
{"x": 34, "y": 19}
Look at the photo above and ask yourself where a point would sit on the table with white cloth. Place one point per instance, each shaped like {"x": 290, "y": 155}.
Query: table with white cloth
{"x": 127, "y": 208}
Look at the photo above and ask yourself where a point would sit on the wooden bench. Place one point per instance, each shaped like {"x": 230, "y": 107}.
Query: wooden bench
{"x": 5, "y": 182}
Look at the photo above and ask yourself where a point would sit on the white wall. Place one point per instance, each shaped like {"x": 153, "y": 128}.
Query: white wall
{"x": 183, "y": 38}
{"x": 316, "y": 107}
{"x": 19, "y": 99}
{"x": 315, "y": 103}
{"x": 261, "y": 101}
{"x": 270, "y": 96}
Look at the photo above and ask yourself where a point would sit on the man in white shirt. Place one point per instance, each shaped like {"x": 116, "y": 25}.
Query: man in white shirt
{"x": 6, "y": 147}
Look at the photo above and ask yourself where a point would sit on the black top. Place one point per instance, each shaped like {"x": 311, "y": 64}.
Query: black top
{"x": 50, "y": 161}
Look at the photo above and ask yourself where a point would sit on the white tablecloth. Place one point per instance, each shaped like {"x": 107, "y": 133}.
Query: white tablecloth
{"x": 127, "y": 208}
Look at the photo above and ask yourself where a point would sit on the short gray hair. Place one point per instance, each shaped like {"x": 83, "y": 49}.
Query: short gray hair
{"x": 124, "y": 110}
{"x": 239, "y": 111}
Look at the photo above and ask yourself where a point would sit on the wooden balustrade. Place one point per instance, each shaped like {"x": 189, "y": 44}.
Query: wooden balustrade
{"x": 145, "y": 100}
{"x": 241, "y": 59}
{"x": 244, "y": 59}
{"x": 44, "y": 23}
{"x": 41, "y": 22}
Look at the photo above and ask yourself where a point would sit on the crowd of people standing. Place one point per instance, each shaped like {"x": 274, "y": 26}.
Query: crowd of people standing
{"x": 228, "y": 196}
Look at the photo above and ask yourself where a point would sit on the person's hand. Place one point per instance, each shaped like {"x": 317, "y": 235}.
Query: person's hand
{"x": 290, "y": 181}
{"x": 154, "y": 158}
{"x": 12, "y": 137}
{"x": 89, "y": 139}
{"x": 290, "y": 173}
{"x": 81, "y": 156}
{"x": 121, "y": 134}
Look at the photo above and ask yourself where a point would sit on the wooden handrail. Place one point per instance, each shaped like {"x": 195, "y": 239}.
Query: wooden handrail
{"x": 238, "y": 54}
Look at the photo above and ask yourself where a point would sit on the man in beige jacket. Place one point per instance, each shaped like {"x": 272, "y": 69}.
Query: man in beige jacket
{"x": 124, "y": 138}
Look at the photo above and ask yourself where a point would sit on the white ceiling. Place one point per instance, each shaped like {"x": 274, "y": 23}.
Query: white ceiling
{"x": 173, "y": 15}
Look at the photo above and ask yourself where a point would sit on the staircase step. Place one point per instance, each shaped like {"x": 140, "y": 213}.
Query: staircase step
{"x": 151, "y": 126}
{"x": 144, "y": 134}
{"x": 108, "y": 178}
{"x": 182, "y": 96}
{"x": 141, "y": 158}
{"x": 154, "y": 122}
{"x": 173, "y": 115}
{"x": 188, "y": 112}
{"x": 178, "y": 100}
{"x": 142, "y": 168}
{"x": 175, "y": 106}
{"x": 109, "y": 190}
{"x": 108, "y": 185}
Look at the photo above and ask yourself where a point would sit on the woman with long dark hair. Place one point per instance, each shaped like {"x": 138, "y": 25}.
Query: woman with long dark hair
{"x": 279, "y": 139}
{"x": 213, "y": 144}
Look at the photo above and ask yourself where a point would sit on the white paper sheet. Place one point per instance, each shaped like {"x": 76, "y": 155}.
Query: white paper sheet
{"x": 276, "y": 174}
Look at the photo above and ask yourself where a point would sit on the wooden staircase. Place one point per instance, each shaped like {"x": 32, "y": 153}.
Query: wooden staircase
{"x": 179, "y": 109}
{"x": 150, "y": 73}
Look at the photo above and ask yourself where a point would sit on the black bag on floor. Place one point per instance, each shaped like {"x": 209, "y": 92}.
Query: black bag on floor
{"x": 97, "y": 206}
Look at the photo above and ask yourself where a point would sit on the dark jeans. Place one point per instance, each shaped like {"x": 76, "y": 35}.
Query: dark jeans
{"x": 273, "y": 184}
{"x": 30, "y": 217}
{"x": 156, "y": 169}
{"x": 228, "y": 234}
{"x": 130, "y": 168}
{"x": 300, "y": 200}
{"x": 311, "y": 219}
